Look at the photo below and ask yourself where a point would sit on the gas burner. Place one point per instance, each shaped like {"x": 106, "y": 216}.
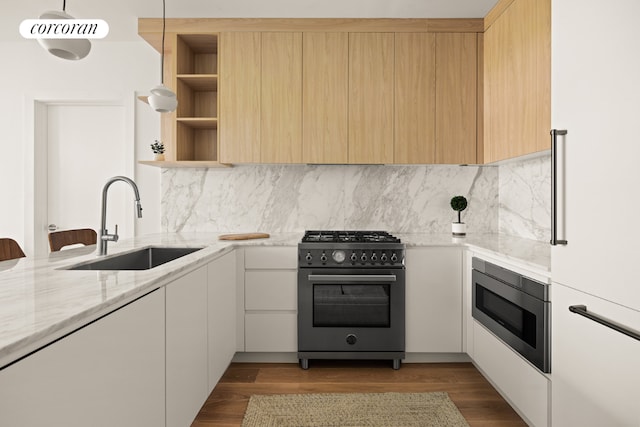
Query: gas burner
{"x": 349, "y": 236}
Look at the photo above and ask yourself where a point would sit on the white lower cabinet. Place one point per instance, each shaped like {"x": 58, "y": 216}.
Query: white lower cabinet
{"x": 222, "y": 315}
{"x": 434, "y": 300}
{"x": 186, "y": 347}
{"x": 109, "y": 373}
{"x": 526, "y": 388}
{"x": 271, "y": 299}
{"x": 595, "y": 369}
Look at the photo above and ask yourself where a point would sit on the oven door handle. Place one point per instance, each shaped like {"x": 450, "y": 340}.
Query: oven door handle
{"x": 352, "y": 277}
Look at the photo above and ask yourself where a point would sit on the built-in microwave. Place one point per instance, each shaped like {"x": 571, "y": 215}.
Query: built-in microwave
{"x": 515, "y": 308}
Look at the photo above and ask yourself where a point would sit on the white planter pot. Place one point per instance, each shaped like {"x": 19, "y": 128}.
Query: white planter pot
{"x": 458, "y": 228}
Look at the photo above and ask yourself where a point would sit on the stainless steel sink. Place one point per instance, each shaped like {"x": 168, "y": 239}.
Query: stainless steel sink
{"x": 141, "y": 259}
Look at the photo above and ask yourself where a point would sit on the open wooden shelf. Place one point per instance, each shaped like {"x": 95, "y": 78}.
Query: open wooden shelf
{"x": 184, "y": 164}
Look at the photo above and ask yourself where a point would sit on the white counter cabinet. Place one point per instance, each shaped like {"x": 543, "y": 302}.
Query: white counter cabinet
{"x": 221, "y": 315}
{"x": 186, "y": 347}
{"x": 271, "y": 299}
{"x": 434, "y": 300}
{"x": 108, "y": 373}
{"x": 595, "y": 370}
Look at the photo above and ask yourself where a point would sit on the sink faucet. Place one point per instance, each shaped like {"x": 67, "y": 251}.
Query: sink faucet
{"x": 104, "y": 235}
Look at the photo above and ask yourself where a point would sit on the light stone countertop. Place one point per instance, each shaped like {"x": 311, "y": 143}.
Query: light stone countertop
{"x": 40, "y": 301}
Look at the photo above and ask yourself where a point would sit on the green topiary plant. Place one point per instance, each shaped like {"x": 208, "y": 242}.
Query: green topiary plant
{"x": 458, "y": 204}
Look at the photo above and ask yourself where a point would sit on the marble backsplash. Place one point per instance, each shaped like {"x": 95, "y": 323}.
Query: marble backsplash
{"x": 525, "y": 198}
{"x": 513, "y": 198}
{"x": 285, "y": 198}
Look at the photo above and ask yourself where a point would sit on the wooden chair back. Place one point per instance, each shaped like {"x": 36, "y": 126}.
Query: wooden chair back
{"x": 10, "y": 249}
{"x": 60, "y": 239}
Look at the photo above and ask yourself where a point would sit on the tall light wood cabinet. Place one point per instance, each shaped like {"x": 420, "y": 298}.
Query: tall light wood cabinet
{"x": 325, "y": 97}
{"x": 415, "y": 98}
{"x": 371, "y": 75}
{"x": 281, "y": 108}
{"x": 517, "y": 74}
{"x": 456, "y": 97}
{"x": 240, "y": 96}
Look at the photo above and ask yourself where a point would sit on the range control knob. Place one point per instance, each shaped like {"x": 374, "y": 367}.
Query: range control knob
{"x": 394, "y": 257}
{"x": 338, "y": 256}
{"x": 353, "y": 257}
{"x": 374, "y": 257}
{"x": 308, "y": 257}
{"x": 383, "y": 257}
{"x": 352, "y": 339}
{"x": 363, "y": 258}
{"x": 323, "y": 257}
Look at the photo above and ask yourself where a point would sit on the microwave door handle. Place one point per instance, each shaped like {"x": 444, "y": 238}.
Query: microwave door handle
{"x": 328, "y": 278}
{"x": 554, "y": 187}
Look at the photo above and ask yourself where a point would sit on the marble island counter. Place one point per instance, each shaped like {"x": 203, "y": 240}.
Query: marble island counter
{"x": 41, "y": 301}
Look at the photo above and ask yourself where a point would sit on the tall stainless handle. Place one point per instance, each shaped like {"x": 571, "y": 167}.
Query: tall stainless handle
{"x": 554, "y": 196}
{"x": 582, "y": 311}
{"x": 352, "y": 278}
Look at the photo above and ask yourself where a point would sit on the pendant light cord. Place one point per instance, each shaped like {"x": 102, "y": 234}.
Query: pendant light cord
{"x": 162, "y": 52}
{"x": 64, "y": 5}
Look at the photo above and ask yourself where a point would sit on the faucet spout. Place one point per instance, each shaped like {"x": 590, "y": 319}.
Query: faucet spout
{"x": 104, "y": 235}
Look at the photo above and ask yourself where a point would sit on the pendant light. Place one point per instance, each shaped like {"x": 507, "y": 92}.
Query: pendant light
{"x": 162, "y": 99}
{"x": 72, "y": 49}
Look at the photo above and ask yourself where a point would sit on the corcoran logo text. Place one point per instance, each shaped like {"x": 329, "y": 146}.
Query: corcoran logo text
{"x": 64, "y": 28}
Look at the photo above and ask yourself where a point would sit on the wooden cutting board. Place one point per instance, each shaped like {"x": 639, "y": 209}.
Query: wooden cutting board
{"x": 243, "y": 236}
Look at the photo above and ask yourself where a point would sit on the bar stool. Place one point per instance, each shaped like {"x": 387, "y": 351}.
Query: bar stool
{"x": 60, "y": 239}
{"x": 10, "y": 249}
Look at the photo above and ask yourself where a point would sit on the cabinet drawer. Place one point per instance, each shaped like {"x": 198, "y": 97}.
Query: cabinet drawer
{"x": 271, "y": 332}
{"x": 271, "y": 290}
{"x": 521, "y": 384}
{"x": 283, "y": 257}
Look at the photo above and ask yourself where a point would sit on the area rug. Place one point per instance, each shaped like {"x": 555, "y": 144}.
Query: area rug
{"x": 353, "y": 409}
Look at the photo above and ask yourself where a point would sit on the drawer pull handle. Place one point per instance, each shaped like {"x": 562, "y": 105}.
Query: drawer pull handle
{"x": 582, "y": 311}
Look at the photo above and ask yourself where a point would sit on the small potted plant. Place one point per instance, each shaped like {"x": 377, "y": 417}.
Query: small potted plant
{"x": 458, "y": 204}
{"x": 158, "y": 150}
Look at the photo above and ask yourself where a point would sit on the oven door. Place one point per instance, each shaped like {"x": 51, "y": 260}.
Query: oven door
{"x": 351, "y": 310}
{"x": 519, "y": 319}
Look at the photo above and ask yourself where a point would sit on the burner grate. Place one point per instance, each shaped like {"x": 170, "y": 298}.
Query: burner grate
{"x": 347, "y": 236}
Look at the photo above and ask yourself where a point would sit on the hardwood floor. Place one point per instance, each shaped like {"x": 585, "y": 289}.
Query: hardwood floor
{"x": 477, "y": 400}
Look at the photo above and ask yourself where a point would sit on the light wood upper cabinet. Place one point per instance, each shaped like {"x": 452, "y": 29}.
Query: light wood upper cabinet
{"x": 325, "y": 97}
{"x": 240, "y": 97}
{"x": 517, "y": 81}
{"x": 281, "y": 108}
{"x": 371, "y": 83}
{"x": 415, "y": 98}
{"x": 456, "y": 97}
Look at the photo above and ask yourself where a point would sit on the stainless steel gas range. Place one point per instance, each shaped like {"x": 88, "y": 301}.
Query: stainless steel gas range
{"x": 351, "y": 296}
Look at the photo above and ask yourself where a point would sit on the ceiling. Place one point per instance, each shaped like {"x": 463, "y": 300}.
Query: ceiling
{"x": 122, "y": 15}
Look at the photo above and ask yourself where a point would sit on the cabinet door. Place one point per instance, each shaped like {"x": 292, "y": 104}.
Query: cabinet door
{"x": 598, "y": 166}
{"x": 371, "y": 83}
{"x": 281, "y": 111}
{"x": 595, "y": 369}
{"x": 239, "y": 97}
{"x": 221, "y": 315}
{"x": 517, "y": 81}
{"x": 325, "y": 97}
{"x": 434, "y": 300}
{"x": 109, "y": 373}
{"x": 456, "y": 97}
{"x": 186, "y": 353}
{"x": 415, "y": 98}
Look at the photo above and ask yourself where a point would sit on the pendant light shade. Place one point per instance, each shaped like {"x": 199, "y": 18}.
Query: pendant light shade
{"x": 163, "y": 103}
{"x": 72, "y": 49}
{"x": 162, "y": 99}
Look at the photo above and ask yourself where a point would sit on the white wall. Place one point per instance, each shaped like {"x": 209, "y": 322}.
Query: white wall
{"x": 112, "y": 69}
